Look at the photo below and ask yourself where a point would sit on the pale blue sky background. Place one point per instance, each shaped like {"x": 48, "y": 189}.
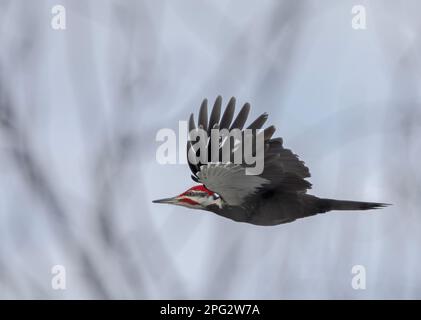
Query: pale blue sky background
{"x": 79, "y": 110}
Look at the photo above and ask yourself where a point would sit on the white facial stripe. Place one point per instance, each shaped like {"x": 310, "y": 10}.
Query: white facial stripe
{"x": 204, "y": 201}
{"x": 207, "y": 201}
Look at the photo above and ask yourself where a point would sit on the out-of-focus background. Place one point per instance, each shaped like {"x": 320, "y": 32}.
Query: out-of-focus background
{"x": 80, "y": 109}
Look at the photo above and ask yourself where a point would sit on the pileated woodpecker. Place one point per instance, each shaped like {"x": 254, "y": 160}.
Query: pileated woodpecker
{"x": 278, "y": 195}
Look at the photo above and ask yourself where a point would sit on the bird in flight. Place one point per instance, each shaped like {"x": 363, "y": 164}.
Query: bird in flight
{"x": 275, "y": 196}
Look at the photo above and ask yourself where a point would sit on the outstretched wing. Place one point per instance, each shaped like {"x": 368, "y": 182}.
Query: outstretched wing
{"x": 230, "y": 181}
{"x": 282, "y": 168}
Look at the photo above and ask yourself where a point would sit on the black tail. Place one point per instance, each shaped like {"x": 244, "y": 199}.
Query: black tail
{"x": 330, "y": 204}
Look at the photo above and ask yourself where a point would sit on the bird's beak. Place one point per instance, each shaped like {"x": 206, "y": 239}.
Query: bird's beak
{"x": 167, "y": 200}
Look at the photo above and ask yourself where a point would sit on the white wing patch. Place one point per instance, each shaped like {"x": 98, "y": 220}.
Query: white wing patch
{"x": 230, "y": 181}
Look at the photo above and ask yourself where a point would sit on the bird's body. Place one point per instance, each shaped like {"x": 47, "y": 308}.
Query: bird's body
{"x": 271, "y": 209}
{"x": 275, "y": 196}
{"x": 275, "y": 207}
